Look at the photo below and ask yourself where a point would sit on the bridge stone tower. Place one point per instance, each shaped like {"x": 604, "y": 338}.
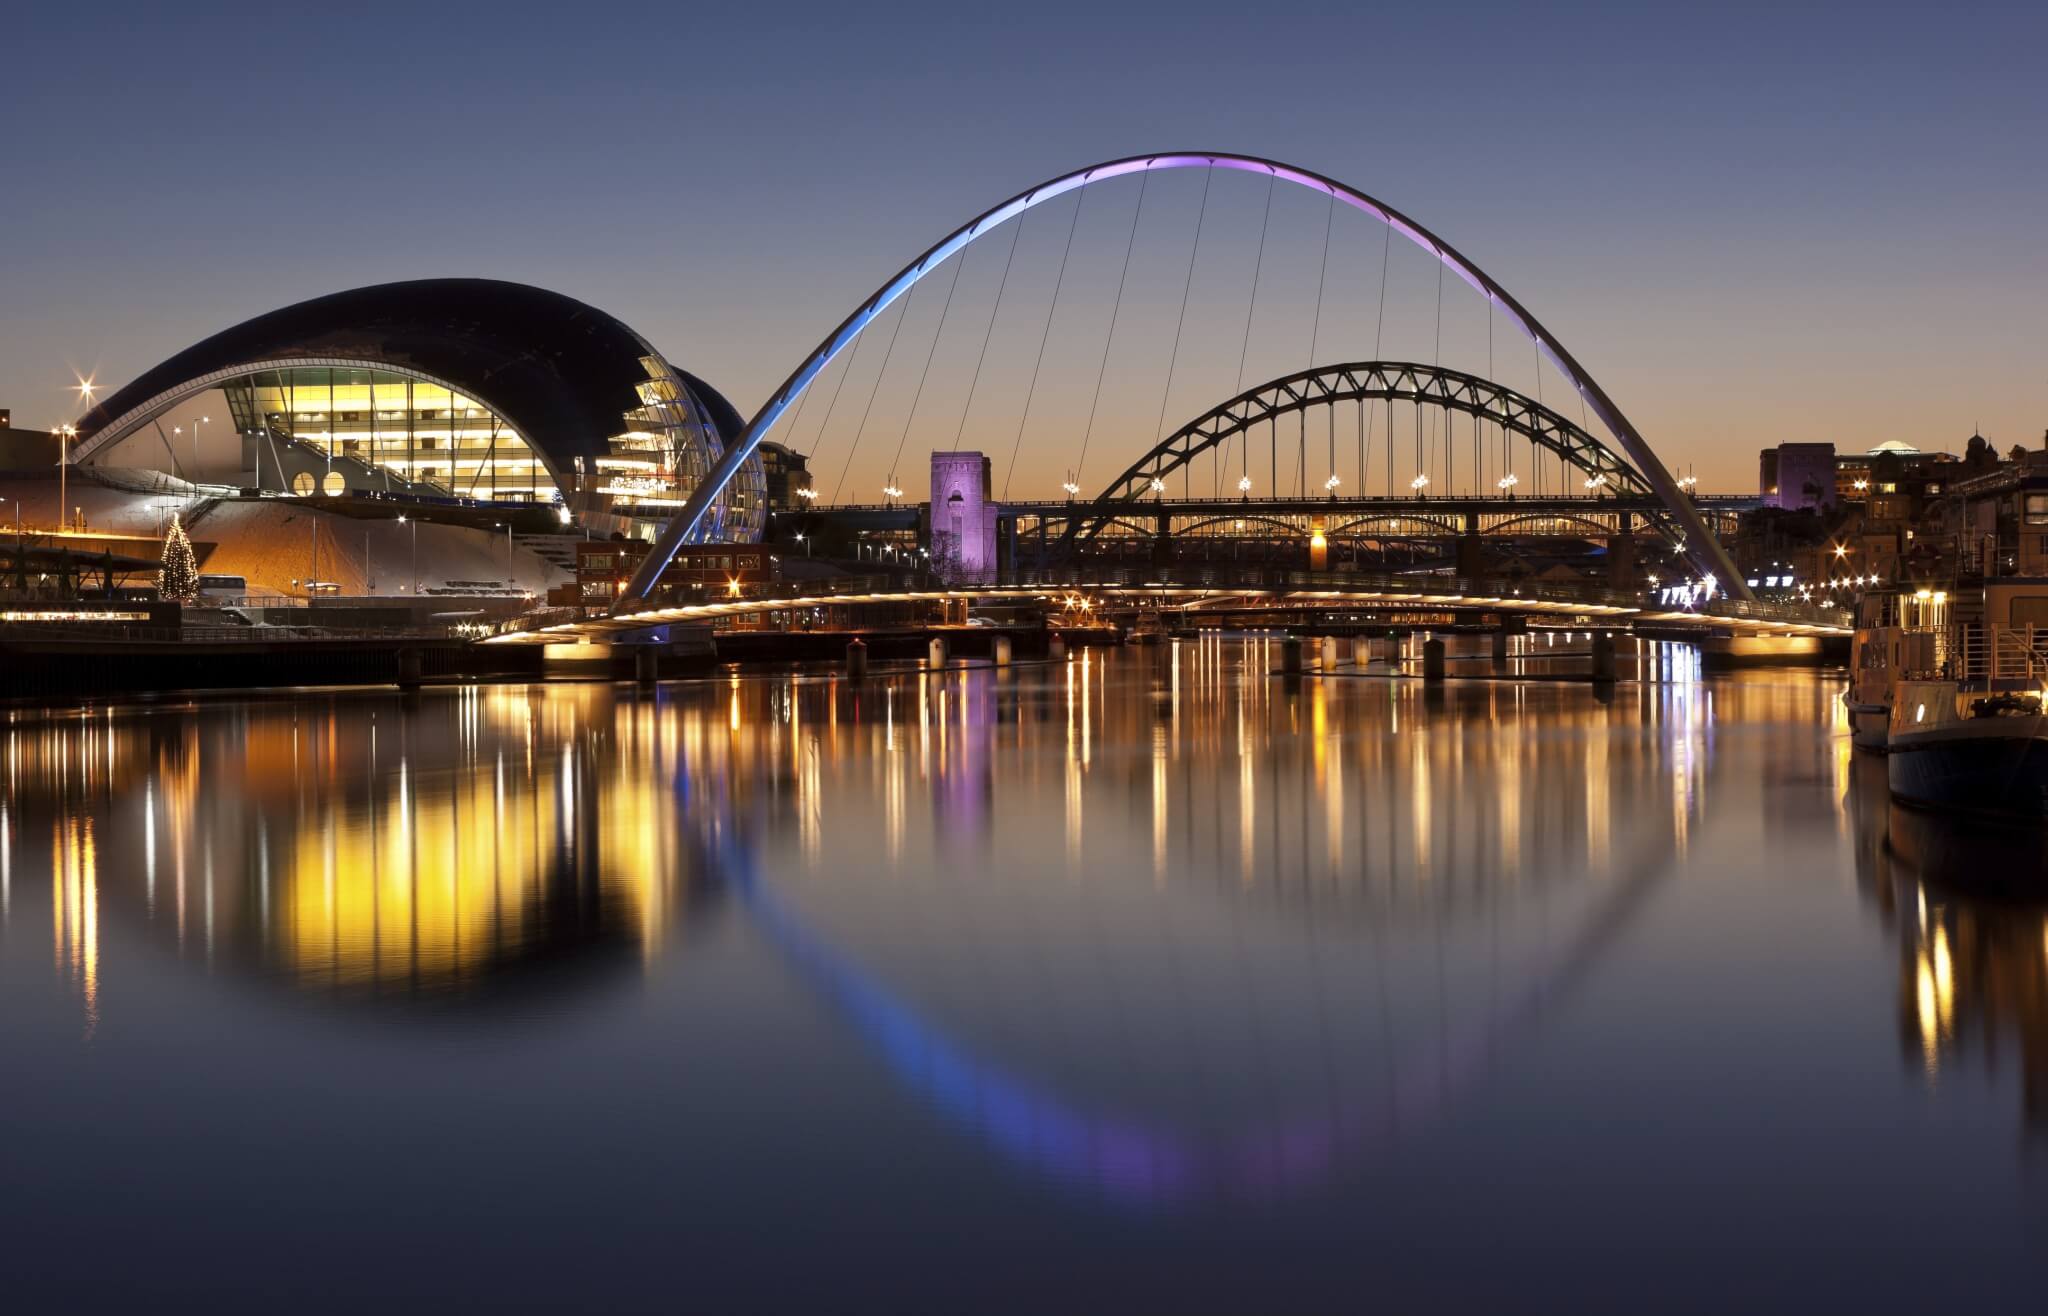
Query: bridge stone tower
{"x": 963, "y": 519}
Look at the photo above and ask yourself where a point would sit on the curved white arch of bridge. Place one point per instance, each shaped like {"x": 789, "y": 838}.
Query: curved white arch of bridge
{"x": 1704, "y": 549}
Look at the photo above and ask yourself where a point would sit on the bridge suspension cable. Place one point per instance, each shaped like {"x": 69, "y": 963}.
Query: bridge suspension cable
{"x": 1116, "y": 313}
{"x": 1038, "y": 362}
{"x": 926, "y": 372}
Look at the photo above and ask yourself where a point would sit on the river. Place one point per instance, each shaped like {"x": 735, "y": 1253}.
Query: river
{"x": 1148, "y": 980}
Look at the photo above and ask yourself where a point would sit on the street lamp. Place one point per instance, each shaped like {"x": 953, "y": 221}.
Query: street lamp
{"x": 1595, "y": 484}
{"x": 1158, "y": 486}
{"x": 180, "y": 429}
{"x": 1419, "y": 483}
{"x": 1244, "y": 485}
{"x": 66, "y": 433}
{"x": 1332, "y": 483}
{"x": 808, "y": 494}
{"x": 1506, "y": 483}
{"x": 86, "y": 388}
{"x": 801, "y": 539}
{"x": 402, "y": 520}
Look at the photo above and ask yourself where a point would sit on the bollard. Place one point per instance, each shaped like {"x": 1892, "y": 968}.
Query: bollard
{"x": 1002, "y": 651}
{"x": 856, "y": 659}
{"x": 937, "y": 653}
{"x": 1603, "y": 657}
{"x": 1290, "y": 653}
{"x": 646, "y": 664}
{"x": 408, "y": 669}
{"x": 1329, "y": 653}
{"x": 1432, "y": 661}
{"x": 1500, "y": 648}
{"x": 1056, "y": 648}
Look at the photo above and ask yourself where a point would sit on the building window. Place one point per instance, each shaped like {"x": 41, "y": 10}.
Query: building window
{"x": 2037, "y": 509}
{"x": 1888, "y": 487}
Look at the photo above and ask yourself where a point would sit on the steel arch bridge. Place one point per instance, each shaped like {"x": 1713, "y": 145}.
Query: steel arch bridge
{"x": 1362, "y": 382}
{"x": 1701, "y": 545}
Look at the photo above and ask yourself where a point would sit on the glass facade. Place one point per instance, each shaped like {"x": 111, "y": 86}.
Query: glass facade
{"x": 331, "y": 430}
{"x": 378, "y": 429}
{"x": 669, "y": 445}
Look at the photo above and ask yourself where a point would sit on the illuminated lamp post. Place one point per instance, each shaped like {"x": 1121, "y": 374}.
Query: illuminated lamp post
{"x": 85, "y": 392}
{"x": 402, "y": 520}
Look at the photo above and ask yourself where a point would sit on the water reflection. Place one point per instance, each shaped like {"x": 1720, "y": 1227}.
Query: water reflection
{"x": 1150, "y": 922}
{"x": 1963, "y": 896}
{"x": 360, "y": 846}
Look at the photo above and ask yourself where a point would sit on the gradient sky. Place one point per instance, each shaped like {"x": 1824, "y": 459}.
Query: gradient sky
{"x": 1751, "y": 223}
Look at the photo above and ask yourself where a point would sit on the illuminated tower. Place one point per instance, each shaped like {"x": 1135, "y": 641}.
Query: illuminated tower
{"x": 963, "y": 526}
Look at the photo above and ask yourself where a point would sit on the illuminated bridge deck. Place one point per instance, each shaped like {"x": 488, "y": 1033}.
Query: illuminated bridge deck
{"x": 1213, "y": 591}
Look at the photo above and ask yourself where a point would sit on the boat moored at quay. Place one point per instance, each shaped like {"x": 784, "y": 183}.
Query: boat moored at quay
{"x": 1958, "y": 680}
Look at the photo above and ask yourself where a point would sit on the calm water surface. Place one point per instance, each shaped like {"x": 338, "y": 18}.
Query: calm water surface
{"x": 1143, "y": 982}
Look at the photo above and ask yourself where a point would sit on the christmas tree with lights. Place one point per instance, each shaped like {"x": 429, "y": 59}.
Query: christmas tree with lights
{"x": 178, "y": 580}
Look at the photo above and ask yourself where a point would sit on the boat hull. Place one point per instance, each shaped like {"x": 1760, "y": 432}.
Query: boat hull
{"x": 1991, "y": 766}
{"x": 1870, "y": 725}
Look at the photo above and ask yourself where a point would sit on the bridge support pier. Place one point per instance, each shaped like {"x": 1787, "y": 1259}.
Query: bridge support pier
{"x": 1621, "y": 557}
{"x": 646, "y": 664}
{"x": 1329, "y": 653}
{"x": 408, "y": 669}
{"x": 1500, "y": 647}
{"x": 1361, "y": 652}
{"x": 1603, "y": 657}
{"x": 1056, "y": 648}
{"x": 1290, "y": 654}
{"x": 1471, "y": 548}
{"x": 857, "y": 660}
{"x": 1432, "y": 661}
{"x": 1002, "y": 650}
{"x": 936, "y": 654}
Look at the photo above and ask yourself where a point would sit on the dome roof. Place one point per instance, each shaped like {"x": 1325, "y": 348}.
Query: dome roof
{"x": 1893, "y": 446}
{"x": 562, "y": 372}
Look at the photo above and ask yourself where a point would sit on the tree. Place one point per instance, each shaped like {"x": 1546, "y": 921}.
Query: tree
{"x": 178, "y": 581}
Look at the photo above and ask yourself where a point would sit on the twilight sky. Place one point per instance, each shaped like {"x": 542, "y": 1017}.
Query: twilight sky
{"x": 1751, "y": 223}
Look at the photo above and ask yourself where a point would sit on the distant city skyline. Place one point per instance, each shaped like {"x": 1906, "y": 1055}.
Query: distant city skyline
{"x": 1752, "y": 226}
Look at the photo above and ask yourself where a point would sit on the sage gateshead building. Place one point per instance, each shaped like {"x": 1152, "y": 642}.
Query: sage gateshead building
{"x": 453, "y": 392}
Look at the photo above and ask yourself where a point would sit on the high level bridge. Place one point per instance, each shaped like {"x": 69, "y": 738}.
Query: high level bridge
{"x": 1038, "y": 534}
